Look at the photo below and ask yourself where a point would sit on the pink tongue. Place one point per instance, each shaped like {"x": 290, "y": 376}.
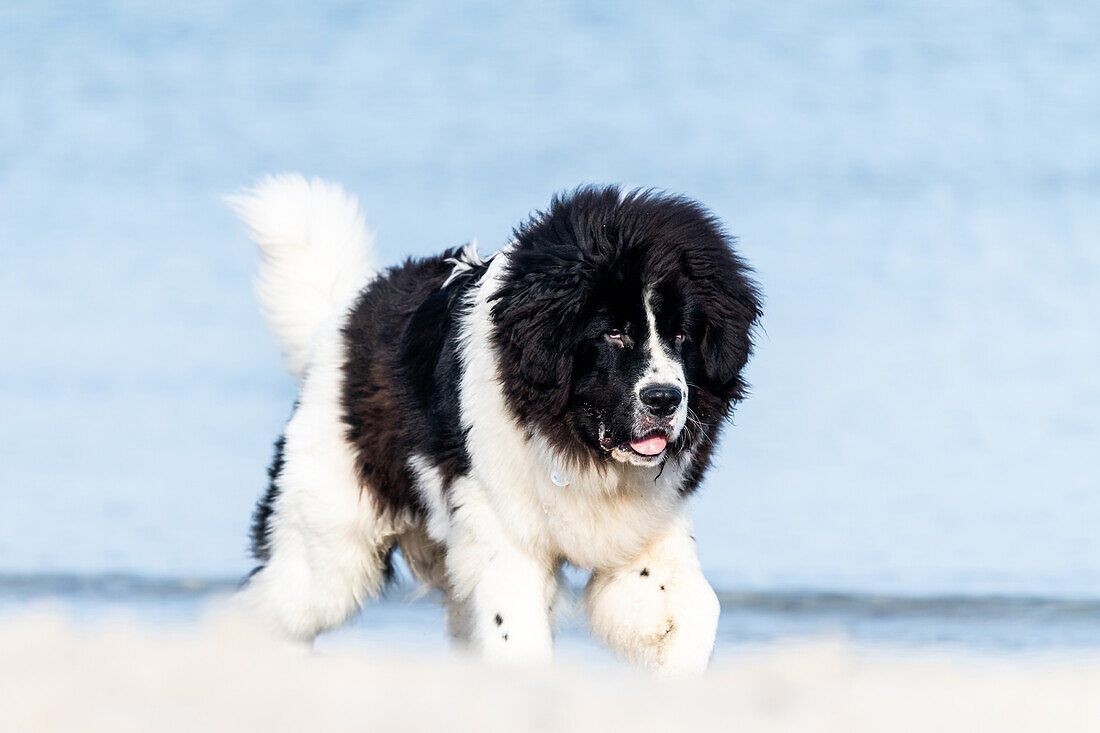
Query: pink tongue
{"x": 650, "y": 446}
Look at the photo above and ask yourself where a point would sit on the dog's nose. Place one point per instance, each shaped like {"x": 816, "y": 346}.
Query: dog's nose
{"x": 661, "y": 399}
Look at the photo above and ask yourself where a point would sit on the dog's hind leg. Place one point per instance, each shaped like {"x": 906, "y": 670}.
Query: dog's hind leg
{"x": 325, "y": 543}
{"x": 427, "y": 561}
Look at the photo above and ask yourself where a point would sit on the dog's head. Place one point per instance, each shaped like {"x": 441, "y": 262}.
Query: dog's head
{"x": 622, "y": 323}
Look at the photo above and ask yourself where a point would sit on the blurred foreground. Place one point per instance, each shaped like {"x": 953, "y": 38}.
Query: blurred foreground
{"x": 219, "y": 675}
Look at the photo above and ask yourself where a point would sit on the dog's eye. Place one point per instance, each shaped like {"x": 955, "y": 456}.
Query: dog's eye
{"x": 678, "y": 338}
{"x": 615, "y": 336}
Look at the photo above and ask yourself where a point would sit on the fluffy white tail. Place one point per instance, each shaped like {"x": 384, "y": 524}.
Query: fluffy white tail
{"x": 315, "y": 256}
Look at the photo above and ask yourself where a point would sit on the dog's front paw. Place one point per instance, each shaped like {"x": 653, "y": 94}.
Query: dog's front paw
{"x": 656, "y": 616}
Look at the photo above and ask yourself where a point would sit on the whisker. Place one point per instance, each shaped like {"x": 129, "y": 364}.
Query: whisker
{"x": 695, "y": 419}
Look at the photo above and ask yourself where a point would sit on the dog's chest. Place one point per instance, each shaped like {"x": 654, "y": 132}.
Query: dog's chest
{"x": 605, "y": 531}
{"x": 591, "y": 522}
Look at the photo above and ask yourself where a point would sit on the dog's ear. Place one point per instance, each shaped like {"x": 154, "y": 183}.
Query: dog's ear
{"x": 535, "y": 320}
{"x": 731, "y": 306}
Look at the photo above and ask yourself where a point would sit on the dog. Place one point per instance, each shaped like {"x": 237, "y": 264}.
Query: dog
{"x": 496, "y": 418}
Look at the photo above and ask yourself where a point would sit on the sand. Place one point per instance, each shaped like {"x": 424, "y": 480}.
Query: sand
{"x": 219, "y": 675}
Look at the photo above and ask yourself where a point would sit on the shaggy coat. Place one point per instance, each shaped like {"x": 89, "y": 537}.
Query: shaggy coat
{"x": 554, "y": 403}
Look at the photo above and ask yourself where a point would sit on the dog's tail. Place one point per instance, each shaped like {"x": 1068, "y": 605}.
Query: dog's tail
{"x": 315, "y": 256}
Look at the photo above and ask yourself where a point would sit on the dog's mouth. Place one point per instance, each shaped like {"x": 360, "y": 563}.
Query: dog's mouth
{"x": 650, "y": 446}
{"x": 648, "y": 450}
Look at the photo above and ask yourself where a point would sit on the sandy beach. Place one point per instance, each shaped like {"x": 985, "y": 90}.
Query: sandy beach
{"x": 218, "y": 675}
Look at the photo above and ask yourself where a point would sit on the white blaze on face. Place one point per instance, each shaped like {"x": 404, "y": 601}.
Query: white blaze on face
{"x": 664, "y": 368}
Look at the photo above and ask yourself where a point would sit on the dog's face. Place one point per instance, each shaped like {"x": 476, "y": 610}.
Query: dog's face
{"x": 622, "y": 324}
{"x": 630, "y": 383}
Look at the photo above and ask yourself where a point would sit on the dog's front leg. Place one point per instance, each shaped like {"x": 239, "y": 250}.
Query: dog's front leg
{"x": 502, "y": 590}
{"x": 658, "y": 612}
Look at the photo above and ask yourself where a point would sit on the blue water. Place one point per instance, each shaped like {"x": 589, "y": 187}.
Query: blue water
{"x": 917, "y": 184}
{"x": 986, "y": 625}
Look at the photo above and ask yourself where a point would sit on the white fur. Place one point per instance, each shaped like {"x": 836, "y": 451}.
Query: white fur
{"x": 657, "y": 611}
{"x": 315, "y": 256}
{"x": 506, "y": 591}
{"x": 326, "y": 532}
{"x": 467, "y": 259}
{"x": 664, "y": 368}
{"x": 430, "y": 487}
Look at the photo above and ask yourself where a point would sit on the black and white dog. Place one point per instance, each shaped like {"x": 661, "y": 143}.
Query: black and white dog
{"x": 495, "y": 418}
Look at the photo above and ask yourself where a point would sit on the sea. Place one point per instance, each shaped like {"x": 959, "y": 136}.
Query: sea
{"x": 917, "y": 185}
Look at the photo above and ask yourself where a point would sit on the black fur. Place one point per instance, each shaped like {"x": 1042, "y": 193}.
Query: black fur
{"x": 401, "y": 377}
{"x": 400, "y": 387}
{"x": 580, "y": 269}
{"x": 260, "y": 531}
